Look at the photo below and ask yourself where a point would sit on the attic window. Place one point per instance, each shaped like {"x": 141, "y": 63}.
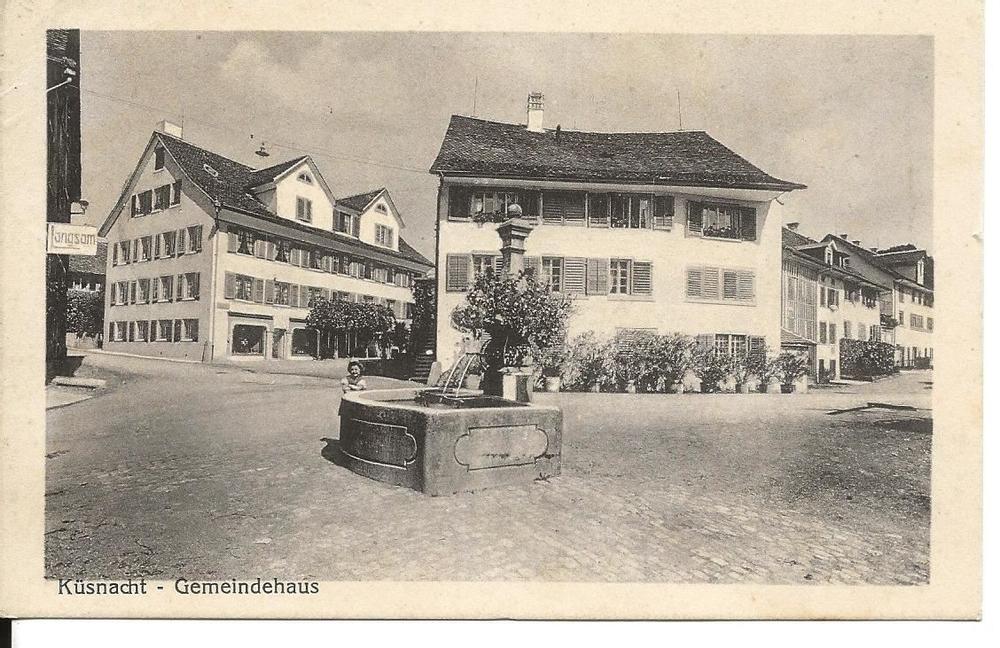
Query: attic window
{"x": 828, "y": 256}
{"x": 209, "y": 170}
{"x": 381, "y": 208}
{"x": 306, "y": 178}
{"x": 159, "y": 154}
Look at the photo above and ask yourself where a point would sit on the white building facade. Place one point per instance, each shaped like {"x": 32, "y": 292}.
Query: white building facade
{"x": 210, "y": 259}
{"x": 667, "y": 232}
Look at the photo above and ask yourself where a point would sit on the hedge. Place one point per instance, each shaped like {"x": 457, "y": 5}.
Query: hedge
{"x": 866, "y": 359}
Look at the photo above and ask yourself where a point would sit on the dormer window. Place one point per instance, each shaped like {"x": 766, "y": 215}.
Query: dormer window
{"x": 303, "y": 209}
{"x": 828, "y": 256}
{"x": 920, "y": 272}
{"x": 159, "y": 158}
{"x": 306, "y": 178}
{"x": 348, "y": 224}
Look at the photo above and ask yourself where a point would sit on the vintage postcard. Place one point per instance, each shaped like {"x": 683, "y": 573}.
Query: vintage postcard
{"x": 569, "y": 310}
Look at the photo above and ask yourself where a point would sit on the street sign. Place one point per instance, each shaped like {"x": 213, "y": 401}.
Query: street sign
{"x": 64, "y": 238}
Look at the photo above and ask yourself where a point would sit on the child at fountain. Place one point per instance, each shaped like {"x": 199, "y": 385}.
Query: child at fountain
{"x": 353, "y": 381}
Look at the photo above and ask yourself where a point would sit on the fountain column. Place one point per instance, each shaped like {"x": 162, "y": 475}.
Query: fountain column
{"x": 516, "y": 382}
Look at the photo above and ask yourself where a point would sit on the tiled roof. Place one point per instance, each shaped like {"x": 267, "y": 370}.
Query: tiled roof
{"x": 231, "y": 184}
{"x": 908, "y": 257}
{"x": 792, "y": 339}
{"x": 360, "y": 201}
{"x": 792, "y": 238}
{"x": 906, "y": 247}
{"x": 689, "y": 158}
{"x": 875, "y": 260}
{"x": 263, "y": 176}
{"x": 90, "y": 264}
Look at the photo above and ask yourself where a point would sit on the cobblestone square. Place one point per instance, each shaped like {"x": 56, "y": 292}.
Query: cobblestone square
{"x": 217, "y": 472}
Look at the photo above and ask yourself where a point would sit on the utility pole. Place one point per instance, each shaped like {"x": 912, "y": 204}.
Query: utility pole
{"x": 63, "y": 171}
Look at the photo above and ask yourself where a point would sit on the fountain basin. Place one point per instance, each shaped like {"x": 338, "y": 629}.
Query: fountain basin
{"x": 440, "y": 448}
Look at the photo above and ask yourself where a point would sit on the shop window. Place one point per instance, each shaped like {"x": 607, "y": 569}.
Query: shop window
{"x": 248, "y": 339}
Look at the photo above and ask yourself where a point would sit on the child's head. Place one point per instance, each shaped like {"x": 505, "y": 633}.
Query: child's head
{"x": 354, "y": 368}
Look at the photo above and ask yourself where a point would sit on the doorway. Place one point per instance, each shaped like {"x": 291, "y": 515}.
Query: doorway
{"x": 277, "y": 343}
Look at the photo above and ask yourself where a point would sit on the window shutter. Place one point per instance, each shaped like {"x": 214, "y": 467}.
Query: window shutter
{"x": 230, "y": 285}
{"x": 180, "y": 287}
{"x": 304, "y": 257}
{"x": 710, "y": 283}
{"x": 597, "y": 276}
{"x": 181, "y": 246}
{"x": 131, "y": 292}
{"x": 457, "y": 272}
{"x": 663, "y": 212}
{"x": 193, "y": 330}
{"x": 135, "y": 204}
{"x": 745, "y": 285}
{"x": 748, "y": 224}
{"x": 326, "y": 293}
{"x": 194, "y": 281}
{"x": 303, "y": 296}
{"x": 533, "y": 265}
{"x": 575, "y": 275}
{"x": 758, "y": 348}
{"x": 822, "y": 296}
{"x": 234, "y": 240}
{"x": 498, "y": 264}
{"x": 196, "y": 233}
{"x": 258, "y": 290}
{"x": 156, "y": 246}
{"x": 705, "y": 341}
{"x": 553, "y": 207}
{"x": 642, "y": 278}
{"x": 694, "y": 218}
{"x": 156, "y": 289}
{"x": 597, "y": 210}
{"x": 530, "y": 205}
{"x": 268, "y": 291}
{"x": 131, "y": 331}
{"x": 729, "y": 284}
{"x": 175, "y": 196}
{"x": 114, "y": 254}
{"x": 176, "y": 330}
{"x": 293, "y": 295}
{"x": 260, "y": 249}
{"x": 356, "y": 226}
{"x": 695, "y": 280}
{"x": 459, "y": 199}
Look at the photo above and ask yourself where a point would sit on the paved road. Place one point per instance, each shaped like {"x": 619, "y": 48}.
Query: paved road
{"x": 209, "y": 472}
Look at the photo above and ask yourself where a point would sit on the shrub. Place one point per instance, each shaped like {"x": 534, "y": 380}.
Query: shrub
{"x": 866, "y": 358}
{"x": 518, "y": 313}
{"x": 586, "y": 359}
{"x": 371, "y": 322}
{"x": 766, "y": 369}
{"x": 673, "y": 356}
{"x": 85, "y": 312}
{"x": 790, "y": 367}
{"x": 711, "y": 368}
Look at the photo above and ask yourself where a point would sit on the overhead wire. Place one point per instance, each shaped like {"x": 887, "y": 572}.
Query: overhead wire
{"x": 292, "y": 146}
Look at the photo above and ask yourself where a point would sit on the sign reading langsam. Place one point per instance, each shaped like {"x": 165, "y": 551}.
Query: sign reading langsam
{"x": 64, "y": 238}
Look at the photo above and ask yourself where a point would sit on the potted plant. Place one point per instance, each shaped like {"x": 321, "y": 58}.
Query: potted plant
{"x": 519, "y": 313}
{"x": 790, "y": 367}
{"x": 744, "y": 368}
{"x": 672, "y": 357}
{"x": 551, "y": 361}
{"x": 767, "y": 370}
{"x": 711, "y": 368}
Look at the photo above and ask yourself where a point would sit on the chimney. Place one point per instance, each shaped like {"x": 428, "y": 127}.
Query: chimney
{"x": 858, "y": 243}
{"x": 170, "y": 128}
{"x": 793, "y": 226}
{"x": 843, "y": 236}
{"x": 873, "y": 249}
{"x": 536, "y": 102}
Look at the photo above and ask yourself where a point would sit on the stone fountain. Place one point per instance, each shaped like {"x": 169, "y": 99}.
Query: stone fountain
{"x": 447, "y": 439}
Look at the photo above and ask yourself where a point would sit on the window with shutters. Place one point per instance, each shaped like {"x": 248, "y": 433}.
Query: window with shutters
{"x": 619, "y": 276}
{"x": 142, "y": 291}
{"x": 144, "y": 249}
{"x": 142, "y": 331}
{"x": 175, "y": 193}
{"x": 246, "y": 241}
{"x": 847, "y": 330}
{"x": 457, "y": 272}
{"x": 303, "y": 209}
{"x": 721, "y": 221}
{"x": 902, "y": 320}
{"x": 164, "y": 288}
{"x": 117, "y": 332}
{"x": 243, "y": 287}
{"x": 282, "y": 293}
{"x": 724, "y": 285}
{"x": 734, "y": 344}
{"x": 492, "y": 204}
{"x": 345, "y": 223}
{"x": 552, "y": 273}
{"x": 187, "y": 285}
{"x": 192, "y": 239}
{"x": 822, "y": 332}
{"x": 168, "y": 244}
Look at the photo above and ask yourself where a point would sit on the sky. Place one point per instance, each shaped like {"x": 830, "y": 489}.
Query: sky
{"x": 851, "y": 117}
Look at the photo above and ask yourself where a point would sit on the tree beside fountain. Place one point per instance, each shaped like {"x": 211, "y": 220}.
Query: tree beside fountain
{"x": 514, "y": 309}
